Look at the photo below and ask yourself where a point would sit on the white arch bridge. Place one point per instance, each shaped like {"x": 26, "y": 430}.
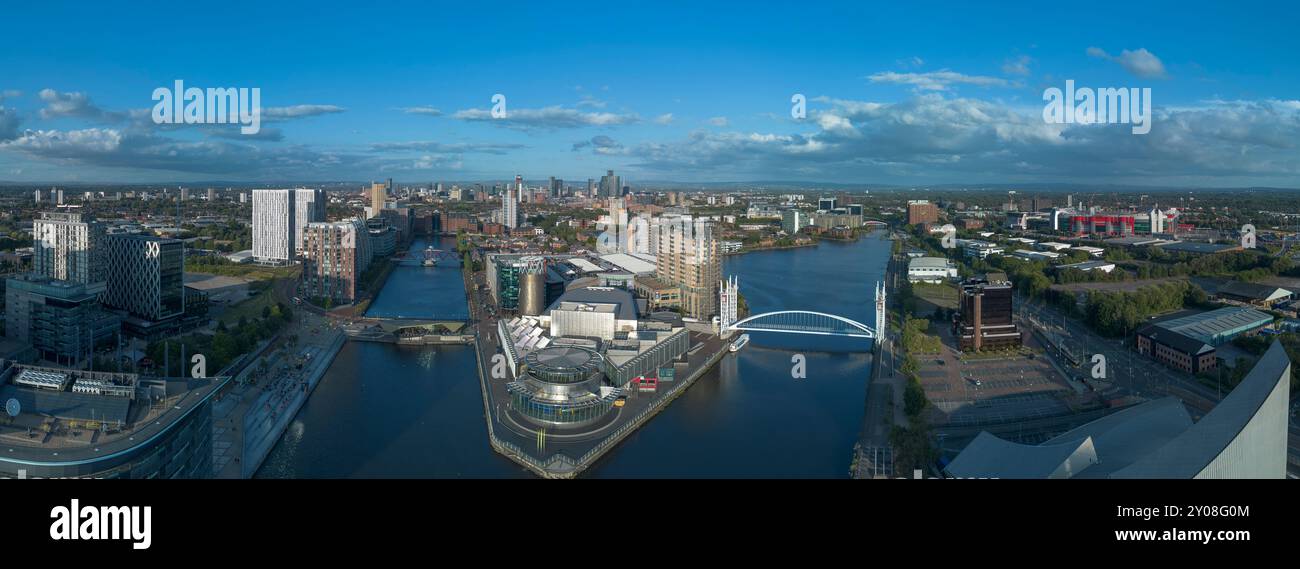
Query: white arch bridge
{"x": 804, "y": 322}
{"x": 796, "y": 321}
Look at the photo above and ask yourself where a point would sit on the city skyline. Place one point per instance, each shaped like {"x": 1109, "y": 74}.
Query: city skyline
{"x": 890, "y": 99}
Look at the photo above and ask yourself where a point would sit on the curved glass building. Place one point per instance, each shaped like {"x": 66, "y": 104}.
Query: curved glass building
{"x": 563, "y": 386}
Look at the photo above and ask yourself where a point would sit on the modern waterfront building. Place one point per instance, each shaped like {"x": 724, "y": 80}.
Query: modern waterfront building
{"x": 836, "y": 218}
{"x": 689, "y": 257}
{"x": 67, "y": 247}
{"x": 335, "y": 255}
{"x": 503, "y": 273}
{"x": 564, "y": 386}
{"x": 400, "y": 219}
{"x": 146, "y": 275}
{"x": 383, "y": 238}
{"x": 984, "y": 317}
{"x": 309, "y": 207}
{"x": 930, "y": 270}
{"x": 593, "y": 312}
{"x": 1244, "y": 436}
{"x": 61, "y": 320}
{"x": 793, "y": 219}
{"x": 523, "y": 283}
{"x": 278, "y": 223}
{"x": 107, "y": 425}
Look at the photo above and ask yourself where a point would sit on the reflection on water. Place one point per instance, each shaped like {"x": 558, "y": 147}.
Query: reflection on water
{"x": 387, "y": 410}
{"x": 749, "y": 417}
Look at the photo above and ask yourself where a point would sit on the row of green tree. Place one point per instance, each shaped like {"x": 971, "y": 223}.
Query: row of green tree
{"x": 222, "y": 347}
{"x": 1118, "y": 313}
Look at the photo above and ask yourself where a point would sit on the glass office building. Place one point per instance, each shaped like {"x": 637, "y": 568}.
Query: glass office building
{"x": 563, "y": 386}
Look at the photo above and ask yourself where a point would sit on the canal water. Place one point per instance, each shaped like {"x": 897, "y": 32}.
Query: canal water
{"x": 408, "y": 411}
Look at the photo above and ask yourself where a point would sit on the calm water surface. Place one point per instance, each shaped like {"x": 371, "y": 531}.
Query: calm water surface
{"x": 386, "y": 410}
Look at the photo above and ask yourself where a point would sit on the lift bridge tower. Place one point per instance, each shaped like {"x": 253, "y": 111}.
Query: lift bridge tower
{"x": 881, "y": 319}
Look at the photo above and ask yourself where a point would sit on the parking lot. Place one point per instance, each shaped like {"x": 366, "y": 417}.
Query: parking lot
{"x": 968, "y": 391}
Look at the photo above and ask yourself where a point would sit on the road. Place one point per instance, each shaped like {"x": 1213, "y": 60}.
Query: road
{"x": 1134, "y": 374}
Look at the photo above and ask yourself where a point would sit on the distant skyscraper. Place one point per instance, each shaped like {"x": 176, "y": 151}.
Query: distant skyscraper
{"x": 510, "y": 209}
{"x": 68, "y": 246}
{"x": 212, "y": 195}
{"x": 38, "y": 196}
{"x": 591, "y": 187}
{"x": 611, "y": 186}
{"x": 378, "y": 194}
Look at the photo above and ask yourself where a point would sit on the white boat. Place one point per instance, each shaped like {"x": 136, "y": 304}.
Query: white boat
{"x": 740, "y": 342}
{"x": 430, "y": 258}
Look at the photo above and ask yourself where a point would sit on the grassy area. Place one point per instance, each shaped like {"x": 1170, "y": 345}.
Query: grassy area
{"x": 250, "y": 308}
{"x": 916, "y": 341}
{"x": 940, "y": 295}
{"x": 247, "y": 271}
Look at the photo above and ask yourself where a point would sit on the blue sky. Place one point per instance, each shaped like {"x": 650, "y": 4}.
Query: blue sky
{"x": 899, "y": 93}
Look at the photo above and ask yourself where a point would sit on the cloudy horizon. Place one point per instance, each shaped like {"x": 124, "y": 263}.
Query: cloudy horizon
{"x": 704, "y": 99}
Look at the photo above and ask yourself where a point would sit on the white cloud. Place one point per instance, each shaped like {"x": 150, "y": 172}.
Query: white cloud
{"x": 718, "y": 121}
{"x": 553, "y": 117}
{"x": 445, "y": 148}
{"x": 299, "y": 111}
{"x": 429, "y": 111}
{"x": 590, "y": 102}
{"x": 937, "y": 80}
{"x": 1017, "y": 65}
{"x": 602, "y": 145}
{"x": 77, "y": 105}
{"x": 936, "y": 139}
{"x": 666, "y": 118}
{"x": 1140, "y": 62}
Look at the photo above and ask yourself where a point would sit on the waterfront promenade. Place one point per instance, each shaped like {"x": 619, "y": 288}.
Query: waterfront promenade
{"x": 250, "y": 418}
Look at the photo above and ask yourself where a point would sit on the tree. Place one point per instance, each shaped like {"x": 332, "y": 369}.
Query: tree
{"x": 914, "y": 401}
